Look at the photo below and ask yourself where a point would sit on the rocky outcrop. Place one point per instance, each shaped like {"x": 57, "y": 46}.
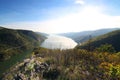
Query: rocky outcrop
{"x": 30, "y": 69}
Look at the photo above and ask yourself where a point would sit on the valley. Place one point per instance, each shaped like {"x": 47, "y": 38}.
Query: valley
{"x": 59, "y": 39}
{"x": 54, "y": 57}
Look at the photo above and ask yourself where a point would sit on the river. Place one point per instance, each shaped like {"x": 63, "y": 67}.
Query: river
{"x": 58, "y": 42}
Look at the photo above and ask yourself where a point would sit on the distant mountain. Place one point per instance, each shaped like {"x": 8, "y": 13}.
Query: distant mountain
{"x": 80, "y": 37}
{"x": 112, "y": 38}
{"x": 1, "y": 27}
{"x": 15, "y": 41}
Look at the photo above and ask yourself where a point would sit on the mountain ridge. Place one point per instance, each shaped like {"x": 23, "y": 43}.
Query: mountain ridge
{"x": 83, "y": 36}
{"x": 108, "y": 38}
{"x": 13, "y": 41}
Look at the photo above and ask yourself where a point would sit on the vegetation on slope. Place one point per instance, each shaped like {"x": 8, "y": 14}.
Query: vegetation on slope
{"x": 81, "y": 37}
{"x": 111, "y": 38}
{"x": 16, "y": 41}
{"x": 73, "y": 64}
{"x": 15, "y": 45}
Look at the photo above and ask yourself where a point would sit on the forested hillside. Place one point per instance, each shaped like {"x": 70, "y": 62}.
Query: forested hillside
{"x": 16, "y": 41}
{"x": 111, "y": 38}
{"x": 98, "y": 61}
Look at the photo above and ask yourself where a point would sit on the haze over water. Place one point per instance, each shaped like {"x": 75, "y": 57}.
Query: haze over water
{"x": 58, "y": 42}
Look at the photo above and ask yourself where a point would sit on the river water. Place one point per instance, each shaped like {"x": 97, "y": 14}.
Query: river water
{"x": 58, "y": 42}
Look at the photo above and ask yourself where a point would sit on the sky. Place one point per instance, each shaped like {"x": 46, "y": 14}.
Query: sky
{"x": 60, "y": 16}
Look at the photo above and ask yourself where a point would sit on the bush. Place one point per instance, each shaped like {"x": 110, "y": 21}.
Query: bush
{"x": 51, "y": 74}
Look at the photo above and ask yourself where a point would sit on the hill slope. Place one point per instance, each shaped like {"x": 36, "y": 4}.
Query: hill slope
{"x": 80, "y": 37}
{"x": 112, "y": 38}
{"x": 72, "y": 64}
{"x": 14, "y": 41}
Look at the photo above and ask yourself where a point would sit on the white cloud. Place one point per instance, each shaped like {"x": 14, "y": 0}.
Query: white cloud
{"x": 80, "y": 2}
{"x": 90, "y": 18}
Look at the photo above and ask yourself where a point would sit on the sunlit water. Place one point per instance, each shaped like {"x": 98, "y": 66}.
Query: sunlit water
{"x": 58, "y": 42}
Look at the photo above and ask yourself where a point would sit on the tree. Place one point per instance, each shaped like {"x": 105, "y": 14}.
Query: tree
{"x": 106, "y": 48}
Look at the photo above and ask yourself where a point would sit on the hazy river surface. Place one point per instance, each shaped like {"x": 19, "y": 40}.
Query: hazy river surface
{"x": 58, "y": 42}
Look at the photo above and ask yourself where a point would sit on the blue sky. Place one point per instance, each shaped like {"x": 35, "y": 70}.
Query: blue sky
{"x": 57, "y": 16}
{"x": 30, "y": 10}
